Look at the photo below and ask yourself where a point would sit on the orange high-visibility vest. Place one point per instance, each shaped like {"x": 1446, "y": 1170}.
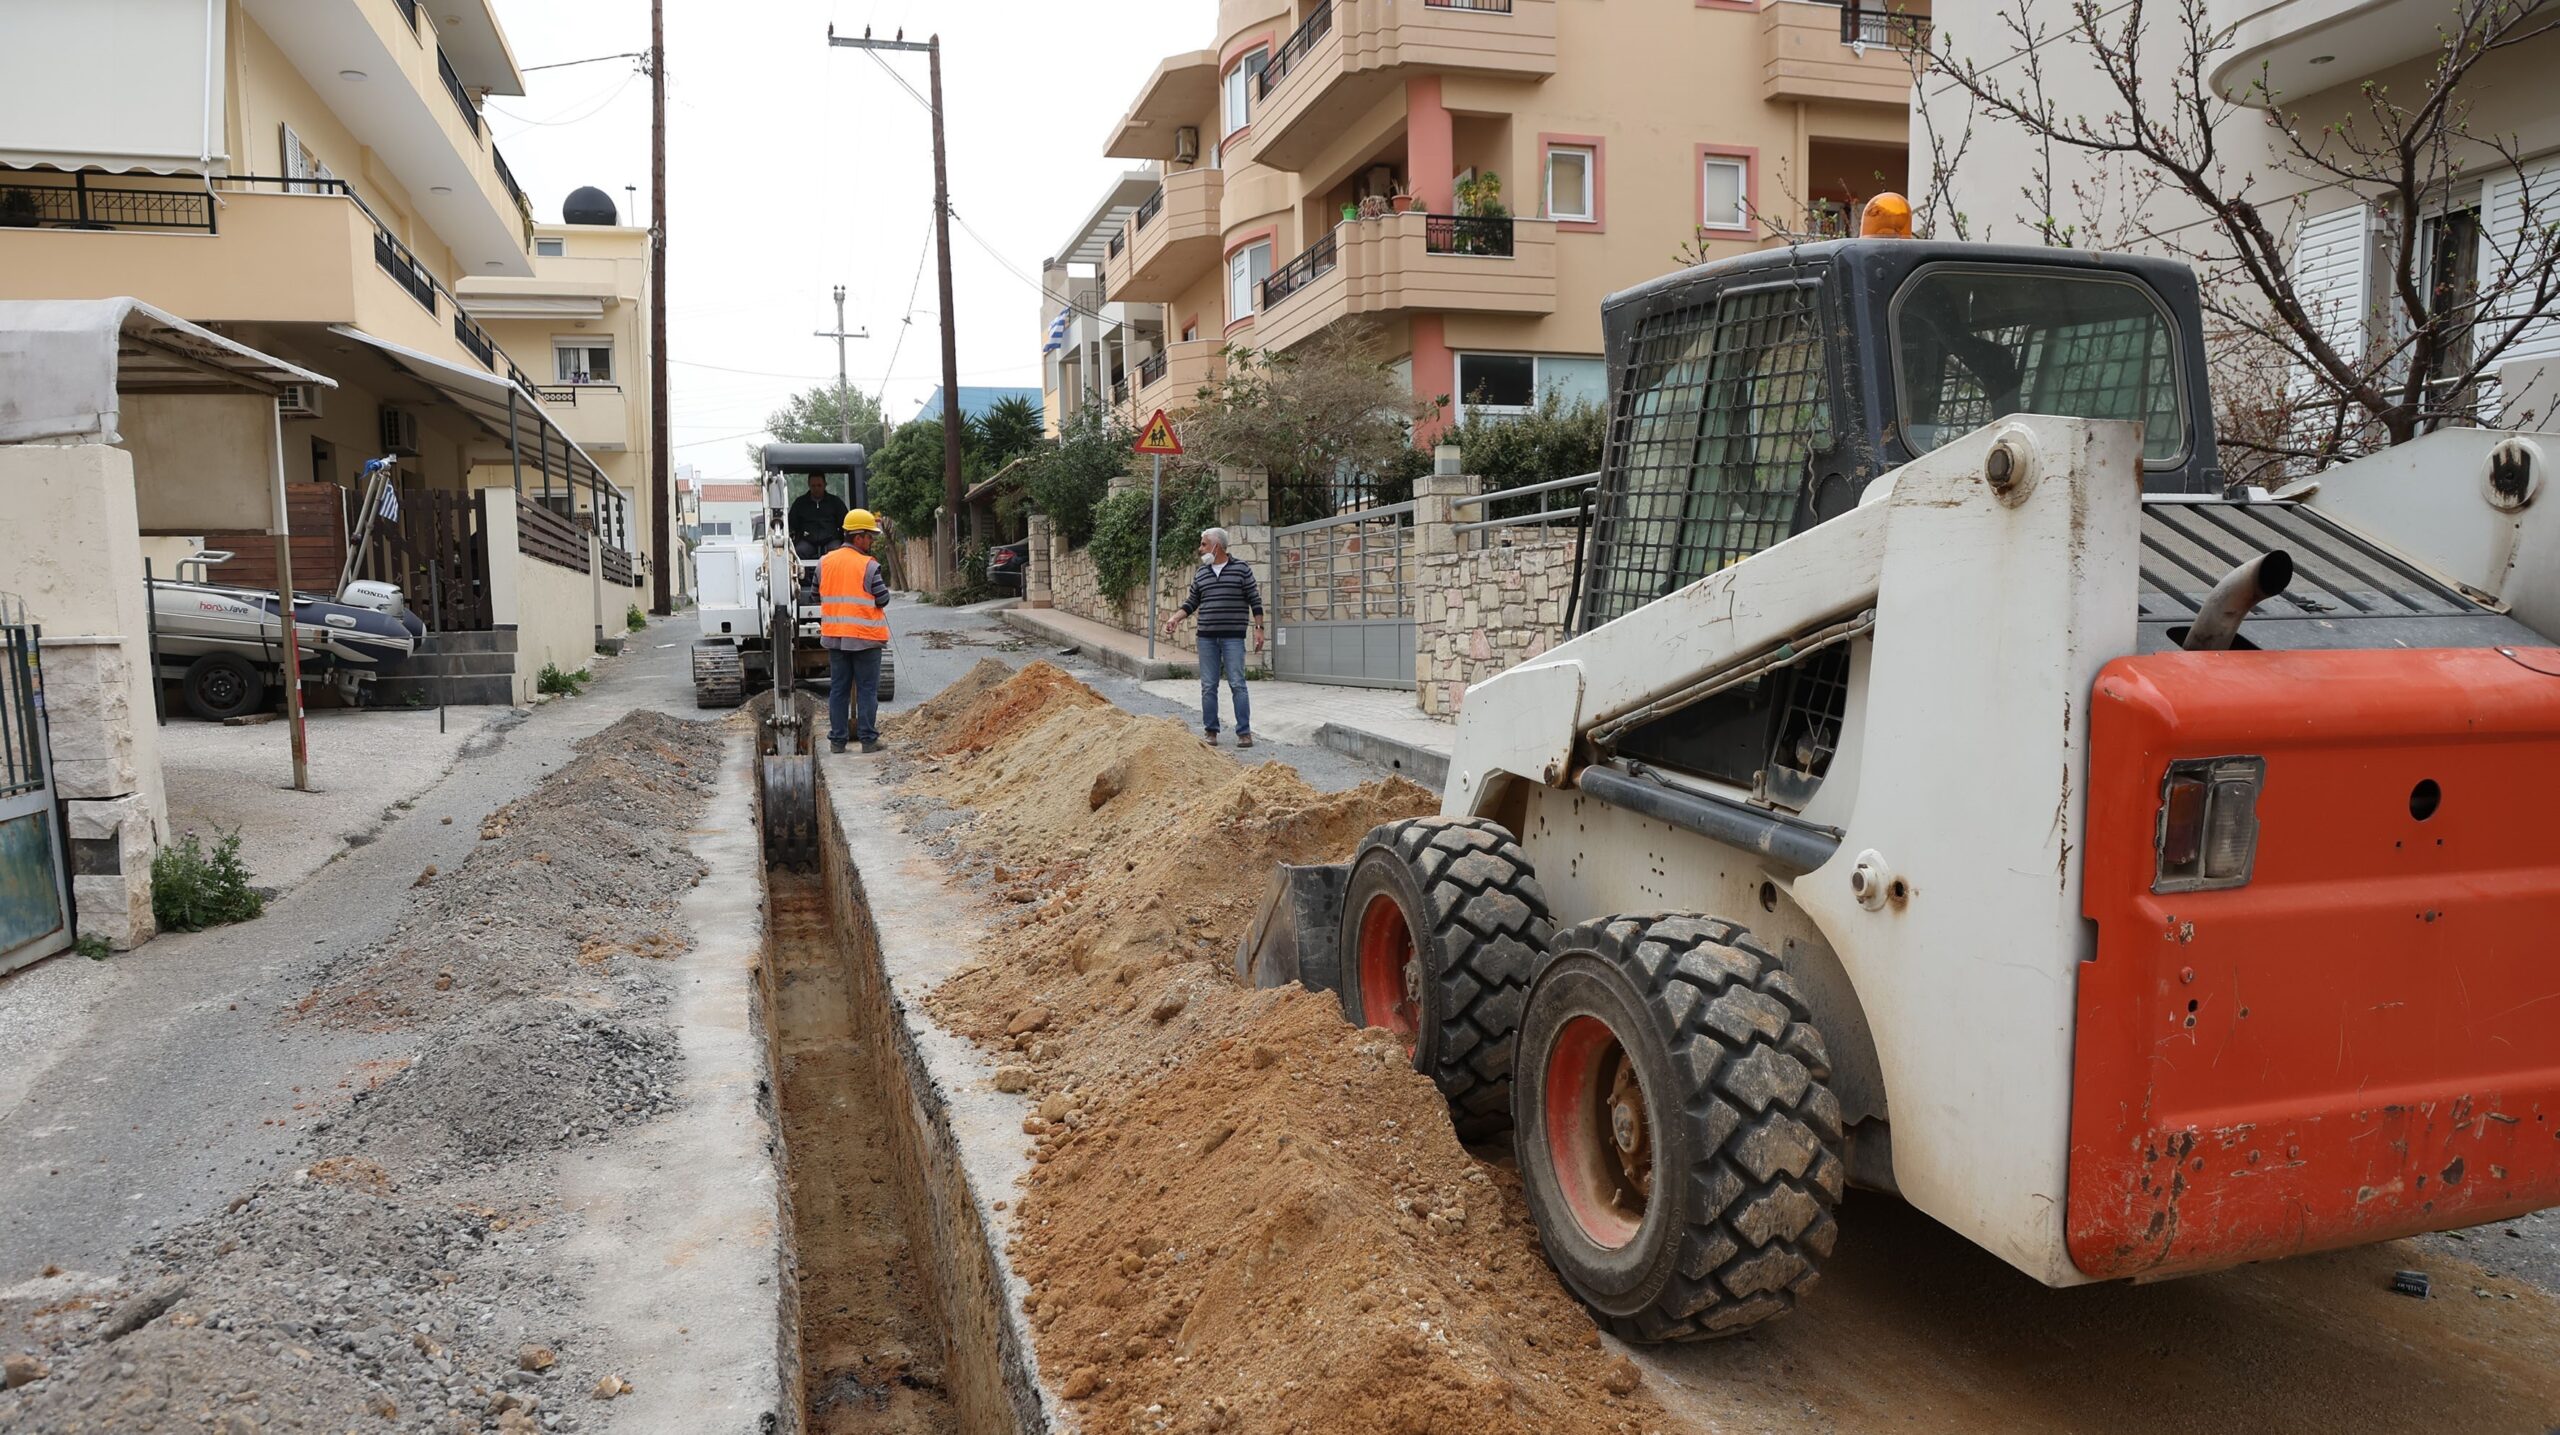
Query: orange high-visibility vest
{"x": 845, "y": 609}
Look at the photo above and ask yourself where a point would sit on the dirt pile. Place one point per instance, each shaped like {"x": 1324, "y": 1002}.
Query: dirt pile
{"x": 585, "y": 870}
{"x": 1245, "y": 1214}
{"x": 414, "y": 1274}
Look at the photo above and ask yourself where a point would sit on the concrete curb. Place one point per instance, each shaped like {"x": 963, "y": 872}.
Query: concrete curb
{"x": 1028, "y": 620}
{"x": 1429, "y": 768}
{"x": 687, "y": 1210}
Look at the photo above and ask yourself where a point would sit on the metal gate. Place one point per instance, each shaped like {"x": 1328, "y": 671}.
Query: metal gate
{"x": 1342, "y": 591}
{"x": 35, "y": 894}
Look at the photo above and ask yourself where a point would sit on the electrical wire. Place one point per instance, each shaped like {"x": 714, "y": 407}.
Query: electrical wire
{"x": 590, "y": 60}
{"x": 908, "y": 321}
{"x": 555, "y": 121}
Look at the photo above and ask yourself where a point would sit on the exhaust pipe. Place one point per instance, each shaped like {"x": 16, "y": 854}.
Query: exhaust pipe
{"x": 2243, "y": 588}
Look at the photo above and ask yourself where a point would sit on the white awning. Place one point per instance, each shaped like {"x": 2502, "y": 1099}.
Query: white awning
{"x": 494, "y": 403}
{"x": 486, "y": 306}
{"x": 63, "y": 361}
{"x": 132, "y": 85}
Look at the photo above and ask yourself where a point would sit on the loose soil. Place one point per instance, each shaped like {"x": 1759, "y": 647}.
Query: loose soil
{"x": 412, "y": 1274}
{"x": 870, "y": 1352}
{"x": 1245, "y": 1214}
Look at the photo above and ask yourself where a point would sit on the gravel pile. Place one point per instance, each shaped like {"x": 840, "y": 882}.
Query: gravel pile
{"x": 414, "y": 1276}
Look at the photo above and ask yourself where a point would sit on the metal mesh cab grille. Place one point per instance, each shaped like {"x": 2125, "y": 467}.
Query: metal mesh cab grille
{"x": 1721, "y": 407}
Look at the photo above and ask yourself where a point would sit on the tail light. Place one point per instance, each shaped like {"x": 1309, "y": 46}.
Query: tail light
{"x": 2208, "y": 831}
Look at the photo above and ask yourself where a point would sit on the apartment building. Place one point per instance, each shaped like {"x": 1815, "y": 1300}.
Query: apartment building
{"x": 1330, "y": 160}
{"x": 315, "y": 179}
{"x": 2493, "y": 174}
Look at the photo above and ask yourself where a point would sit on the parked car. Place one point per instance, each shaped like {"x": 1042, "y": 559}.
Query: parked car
{"x": 1005, "y": 566}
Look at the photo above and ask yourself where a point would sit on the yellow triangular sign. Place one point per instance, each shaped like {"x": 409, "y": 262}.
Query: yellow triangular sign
{"x": 1158, "y": 437}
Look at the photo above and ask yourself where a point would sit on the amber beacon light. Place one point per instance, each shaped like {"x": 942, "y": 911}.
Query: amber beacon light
{"x": 1887, "y": 216}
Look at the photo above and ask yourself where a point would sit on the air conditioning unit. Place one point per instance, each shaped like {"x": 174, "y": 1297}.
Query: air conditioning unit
{"x": 400, "y": 433}
{"x": 1186, "y": 145}
{"x": 299, "y": 401}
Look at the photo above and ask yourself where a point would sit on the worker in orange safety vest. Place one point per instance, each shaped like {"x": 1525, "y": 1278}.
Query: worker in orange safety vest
{"x": 853, "y": 591}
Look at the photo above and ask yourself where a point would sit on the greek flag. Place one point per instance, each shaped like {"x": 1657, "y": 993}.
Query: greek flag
{"x": 1057, "y": 333}
{"x": 390, "y": 505}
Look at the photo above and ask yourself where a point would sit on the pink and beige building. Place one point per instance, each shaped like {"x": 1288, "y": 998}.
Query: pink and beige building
{"x": 1312, "y": 164}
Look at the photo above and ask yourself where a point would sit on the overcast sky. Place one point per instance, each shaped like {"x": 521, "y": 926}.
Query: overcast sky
{"x": 793, "y": 167}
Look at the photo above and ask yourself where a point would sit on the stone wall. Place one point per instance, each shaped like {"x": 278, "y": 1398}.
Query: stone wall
{"x": 1063, "y": 577}
{"x": 1478, "y": 611}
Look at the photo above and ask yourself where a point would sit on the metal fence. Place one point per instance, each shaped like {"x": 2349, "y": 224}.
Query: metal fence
{"x": 81, "y": 204}
{"x": 1316, "y": 261}
{"x": 35, "y": 894}
{"x": 1317, "y": 25}
{"x": 1342, "y": 598}
{"x": 1485, "y": 235}
{"x": 1896, "y": 28}
{"x": 1531, "y": 505}
{"x": 461, "y": 96}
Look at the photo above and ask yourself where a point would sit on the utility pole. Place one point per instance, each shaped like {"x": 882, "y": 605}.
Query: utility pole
{"x": 844, "y": 394}
{"x": 946, "y": 544}
{"x": 661, "y": 493}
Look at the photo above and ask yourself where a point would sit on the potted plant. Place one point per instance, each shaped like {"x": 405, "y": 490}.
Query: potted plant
{"x": 1404, "y": 200}
{"x": 1374, "y": 207}
{"x": 18, "y": 208}
{"x": 1480, "y": 197}
{"x": 1350, "y": 212}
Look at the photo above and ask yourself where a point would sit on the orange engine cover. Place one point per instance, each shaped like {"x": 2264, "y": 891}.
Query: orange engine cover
{"x": 2364, "y": 1041}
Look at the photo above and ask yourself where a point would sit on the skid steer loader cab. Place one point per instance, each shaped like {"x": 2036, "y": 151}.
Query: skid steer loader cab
{"x": 1755, "y": 397}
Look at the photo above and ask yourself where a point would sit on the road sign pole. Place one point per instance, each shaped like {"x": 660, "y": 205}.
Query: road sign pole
{"x": 1155, "y": 521}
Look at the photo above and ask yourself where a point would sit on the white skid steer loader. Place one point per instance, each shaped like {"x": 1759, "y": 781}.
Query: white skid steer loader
{"x": 1913, "y": 808}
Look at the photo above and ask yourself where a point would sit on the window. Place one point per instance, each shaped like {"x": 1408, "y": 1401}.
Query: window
{"x": 554, "y": 248}
{"x": 1191, "y": 331}
{"x": 302, "y": 163}
{"x": 1572, "y": 183}
{"x": 1237, "y": 107}
{"x": 1724, "y": 186}
{"x": 1514, "y": 383}
{"x": 1974, "y": 345}
{"x": 582, "y": 360}
{"x": 1246, "y": 269}
{"x": 716, "y": 530}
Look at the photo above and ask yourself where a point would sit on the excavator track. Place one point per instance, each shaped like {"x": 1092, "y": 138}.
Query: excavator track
{"x": 719, "y": 676}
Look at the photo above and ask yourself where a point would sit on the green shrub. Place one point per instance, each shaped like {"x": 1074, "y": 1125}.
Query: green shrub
{"x": 1119, "y": 544}
{"x": 1068, "y": 481}
{"x": 973, "y": 586}
{"x": 93, "y": 946}
{"x": 552, "y": 680}
{"x": 192, "y": 889}
{"x": 634, "y": 619}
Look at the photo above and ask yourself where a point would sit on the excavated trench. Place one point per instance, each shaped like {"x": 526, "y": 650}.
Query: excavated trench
{"x": 892, "y": 1311}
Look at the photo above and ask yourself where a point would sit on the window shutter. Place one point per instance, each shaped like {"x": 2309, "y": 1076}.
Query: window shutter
{"x": 2507, "y": 254}
{"x": 2332, "y": 255}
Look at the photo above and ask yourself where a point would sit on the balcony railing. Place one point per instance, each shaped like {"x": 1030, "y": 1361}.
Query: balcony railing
{"x": 1153, "y": 207}
{"x": 1151, "y": 370}
{"x": 82, "y": 205}
{"x": 409, "y": 12}
{"x": 403, "y": 267}
{"x": 1897, "y": 28}
{"x": 1316, "y": 262}
{"x": 474, "y": 338}
{"x": 461, "y": 96}
{"x": 1317, "y": 25}
{"x": 507, "y": 177}
{"x": 1466, "y": 234}
{"x": 1483, "y": 7}
{"x": 1119, "y": 241}
{"x": 1120, "y": 389}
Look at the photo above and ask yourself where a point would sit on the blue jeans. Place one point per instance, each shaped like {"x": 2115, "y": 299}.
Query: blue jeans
{"x": 1223, "y": 656}
{"x": 854, "y": 674}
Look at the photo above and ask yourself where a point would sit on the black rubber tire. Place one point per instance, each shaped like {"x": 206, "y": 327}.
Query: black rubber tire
{"x": 222, "y": 685}
{"x": 888, "y": 690}
{"x": 1475, "y": 916}
{"x": 1745, "y": 1136}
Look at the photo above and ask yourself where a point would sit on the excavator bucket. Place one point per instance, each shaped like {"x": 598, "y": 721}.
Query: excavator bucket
{"x": 1296, "y": 932}
{"x": 788, "y": 752}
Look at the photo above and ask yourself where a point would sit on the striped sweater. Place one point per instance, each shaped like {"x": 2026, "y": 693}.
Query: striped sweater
{"x": 1223, "y": 601}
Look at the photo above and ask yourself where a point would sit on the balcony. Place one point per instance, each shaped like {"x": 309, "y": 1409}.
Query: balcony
{"x": 1349, "y": 54}
{"x": 273, "y": 252}
{"x": 1171, "y": 378}
{"x": 1171, "y": 238}
{"x": 403, "y": 79}
{"x": 597, "y": 417}
{"x": 1410, "y": 263}
{"x": 1840, "y": 54}
{"x": 2303, "y": 46}
{"x": 1181, "y": 94}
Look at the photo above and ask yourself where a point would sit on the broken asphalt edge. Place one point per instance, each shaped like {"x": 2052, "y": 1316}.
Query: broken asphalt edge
{"x": 1411, "y": 760}
{"x": 1144, "y": 669}
{"x": 681, "y": 1220}
{"x": 925, "y": 928}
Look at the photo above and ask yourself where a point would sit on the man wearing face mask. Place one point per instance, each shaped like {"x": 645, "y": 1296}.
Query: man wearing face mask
{"x": 1223, "y": 597}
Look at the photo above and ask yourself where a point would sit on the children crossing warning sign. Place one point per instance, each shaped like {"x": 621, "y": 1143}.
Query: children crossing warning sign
{"x": 1158, "y": 437}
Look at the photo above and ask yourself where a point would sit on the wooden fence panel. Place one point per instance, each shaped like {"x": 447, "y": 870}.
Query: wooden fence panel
{"x": 543, "y": 534}
{"x": 317, "y": 514}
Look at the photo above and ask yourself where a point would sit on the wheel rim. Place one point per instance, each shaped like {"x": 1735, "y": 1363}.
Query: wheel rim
{"x": 222, "y": 688}
{"x": 1597, "y": 1134}
{"x": 1390, "y": 977}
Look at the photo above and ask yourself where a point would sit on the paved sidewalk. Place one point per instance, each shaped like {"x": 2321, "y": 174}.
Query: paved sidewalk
{"x": 1104, "y": 644}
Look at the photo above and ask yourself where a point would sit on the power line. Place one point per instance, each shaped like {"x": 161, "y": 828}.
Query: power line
{"x": 590, "y": 60}
{"x": 757, "y": 373}
{"x": 909, "y": 321}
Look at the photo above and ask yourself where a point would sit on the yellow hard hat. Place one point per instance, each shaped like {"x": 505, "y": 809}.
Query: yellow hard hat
{"x": 861, "y": 521}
